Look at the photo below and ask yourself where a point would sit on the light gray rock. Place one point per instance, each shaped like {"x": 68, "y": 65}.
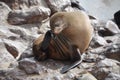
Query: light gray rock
{"x": 112, "y": 76}
{"x": 4, "y": 10}
{"x": 31, "y": 15}
{"x": 24, "y": 4}
{"x": 86, "y": 76}
{"x": 58, "y": 5}
{"x": 112, "y": 27}
{"x": 26, "y": 54}
{"x": 111, "y": 50}
{"x": 17, "y": 39}
{"x": 5, "y": 57}
{"x": 15, "y": 74}
{"x": 97, "y": 41}
{"x": 29, "y": 66}
{"x": 104, "y": 67}
{"x": 113, "y": 39}
{"x": 105, "y": 28}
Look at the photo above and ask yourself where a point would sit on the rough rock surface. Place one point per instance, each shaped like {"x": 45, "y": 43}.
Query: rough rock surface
{"x": 58, "y": 5}
{"x": 112, "y": 76}
{"x": 16, "y": 58}
{"x": 31, "y": 15}
{"x": 24, "y": 4}
{"x": 4, "y": 10}
{"x": 103, "y": 68}
{"x": 5, "y": 57}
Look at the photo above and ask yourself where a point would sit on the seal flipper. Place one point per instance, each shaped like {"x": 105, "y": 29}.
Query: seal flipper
{"x": 46, "y": 40}
{"x": 44, "y": 47}
{"x": 68, "y": 67}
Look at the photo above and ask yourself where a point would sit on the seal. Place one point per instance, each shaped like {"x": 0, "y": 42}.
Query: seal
{"x": 68, "y": 39}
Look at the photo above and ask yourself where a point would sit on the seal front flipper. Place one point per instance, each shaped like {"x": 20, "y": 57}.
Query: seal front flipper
{"x": 68, "y": 67}
{"x": 41, "y": 49}
{"x": 46, "y": 40}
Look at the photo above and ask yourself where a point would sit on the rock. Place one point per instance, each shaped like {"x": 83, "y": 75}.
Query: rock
{"x": 112, "y": 76}
{"x": 32, "y": 15}
{"x": 76, "y": 4}
{"x": 24, "y": 4}
{"x": 26, "y": 54}
{"x": 89, "y": 59}
{"x": 113, "y": 39}
{"x": 17, "y": 47}
{"x": 58, "y": 5}
{"x": 86, "y": 76}
{"x": 70, "y": 9}
{"x": 104, "y": 28}
{"x": 110, "y": 51}
{"x": 29, "y": 66}
{"x": 117, "y": 18}
{"x": 13, "y": 64}
{"x": 4, "y": 10}
{"x": 15, "y": 74}
{"x": 114, "y": 52}
{"x": 97, "y": 41}
{"x": 12, "y": 50}
{"x": 61, "y": 5}
{"x": 27, "y": 32}
{"x": 17, "y": 39}
{"x": 112, "y": 27}
{"x": 5, "y": 57}
{"x": 44, "y": 27}
{"x": 104, "y": 67}
{"x": 98, "y": 26}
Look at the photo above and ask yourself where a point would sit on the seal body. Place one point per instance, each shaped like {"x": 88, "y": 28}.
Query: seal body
{"x": 73, "y": 31}
{"x": 75, "y": 26}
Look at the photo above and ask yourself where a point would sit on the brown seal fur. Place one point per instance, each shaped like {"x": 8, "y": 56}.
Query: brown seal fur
{"x": 73, "y": 31}
{"x": 74, "y": 25}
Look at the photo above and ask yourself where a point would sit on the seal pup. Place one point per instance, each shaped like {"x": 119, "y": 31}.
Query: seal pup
{"x": 70, "y": 35}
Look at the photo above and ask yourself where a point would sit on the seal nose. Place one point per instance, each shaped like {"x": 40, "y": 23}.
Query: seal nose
{"x": 57, "y": 30}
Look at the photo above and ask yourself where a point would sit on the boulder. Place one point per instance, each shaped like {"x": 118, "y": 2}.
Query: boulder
{"x": 112, "y": 76}
{"x": 58, "y": 5}
{"x": 102, "y": 68}
{"x": 4, "y": 10}
{"x": 112, "y": 28}
{"x": 29, "y": 66}
{"x": 97, "y": 41}
{"x": 5, "y": 57}
{"x": 24, "y": 4}
{"x": 86, "y": 76}
{"x": 31, "y": 15}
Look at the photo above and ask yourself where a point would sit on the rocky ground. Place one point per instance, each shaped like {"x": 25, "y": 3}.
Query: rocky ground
{"x": 22, "y": 21}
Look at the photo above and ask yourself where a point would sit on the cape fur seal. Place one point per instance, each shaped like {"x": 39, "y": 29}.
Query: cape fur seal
{"x": 69, "y": 37}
